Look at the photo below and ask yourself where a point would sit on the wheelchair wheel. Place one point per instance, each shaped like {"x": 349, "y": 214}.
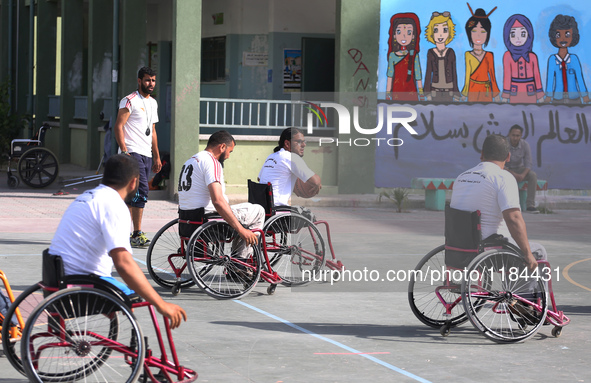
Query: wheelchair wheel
{"x": 295, "y": 248}
{"x": 38, "y": 167}
{"x": 12, "y": 327}
{"x": 423, "y": 293}
{"x": 73, "y": 334}
{"x": 503, "y": 300}
{"x": 216, "y": 265}
{"x": 12, "y": 181}
{"x": 166, "y": 255}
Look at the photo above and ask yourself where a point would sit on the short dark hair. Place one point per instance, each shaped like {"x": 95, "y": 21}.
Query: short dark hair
{"x": 563, "y": 22}
{"x": 145, "y": 71}
{"x": 286, "y": 135}
{"x": 516, "y": 127}
{"x": 495, "y": 148}
{"x": 220, "y": 137}
{"x": 119, "y": 170}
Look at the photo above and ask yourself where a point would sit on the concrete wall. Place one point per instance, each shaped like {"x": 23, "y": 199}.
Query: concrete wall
{"x": 250, "y": 154}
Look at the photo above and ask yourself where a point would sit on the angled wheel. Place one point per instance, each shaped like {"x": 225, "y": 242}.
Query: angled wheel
{"x": 38, "y": 167}
{"x": 295, "y": 248}
{"x": 78, "y": 332}
{"x": 503, "y": 300}
{"x": 220, "y": 264}
{"x": 427, "y": 284}
{"x": 12, "y": 181}
{"x": 14, "y": 323}
{"x": 166, "y": 258}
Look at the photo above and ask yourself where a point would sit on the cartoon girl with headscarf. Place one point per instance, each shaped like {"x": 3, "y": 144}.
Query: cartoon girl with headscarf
{"x": 404, "y": 68}
{"x": 481, "y": 83}
{"x": 521, "y": 79}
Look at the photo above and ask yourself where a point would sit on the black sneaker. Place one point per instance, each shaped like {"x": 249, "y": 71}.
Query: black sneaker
{"x": 532, "y": 210}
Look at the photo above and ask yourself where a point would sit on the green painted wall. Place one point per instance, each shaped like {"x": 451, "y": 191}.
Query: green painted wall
{"x": 78, "y": 151}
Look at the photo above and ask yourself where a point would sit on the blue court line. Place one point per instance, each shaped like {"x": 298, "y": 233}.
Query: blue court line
{"x": 352, "y": 350}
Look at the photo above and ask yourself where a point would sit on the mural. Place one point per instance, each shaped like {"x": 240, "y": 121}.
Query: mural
{"x": 503, "y": 84}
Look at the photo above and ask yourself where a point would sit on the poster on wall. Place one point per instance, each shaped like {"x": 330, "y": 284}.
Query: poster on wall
{"x": 292, "y": 70}
{"x": 474, "y": 69}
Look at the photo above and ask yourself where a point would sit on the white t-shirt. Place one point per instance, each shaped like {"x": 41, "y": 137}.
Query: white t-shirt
{"x": 196, "y": 174}
{"x": 282, "y": 169}
{"x": 490, "y": 189}
{"x": 97, "y": 222}
{"x": 143, "y": 114}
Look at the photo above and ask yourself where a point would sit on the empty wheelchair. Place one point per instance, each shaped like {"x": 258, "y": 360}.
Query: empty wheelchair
{"x": 484, "y": 281}
{"x": 295, "y": 246}
{"x": 37, "y": 166}
{"x": 86, "y": 330}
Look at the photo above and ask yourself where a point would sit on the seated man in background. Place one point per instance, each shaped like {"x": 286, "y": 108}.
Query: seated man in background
{"x": 102, "y": 214}
{"x": 285, "y": 166}
{"x": 492, "y": 190}
{"x": 202, "y": 185}
{"x": 520, "y": 165}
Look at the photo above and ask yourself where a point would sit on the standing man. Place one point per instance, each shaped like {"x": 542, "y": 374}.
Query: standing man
{"x": 202, "y": 185}
{"x": 520, "y": 165}
{"x": 493, "y": 191}
{"x": 101, "y": 214}
{"x": 135, "y": 131}
{"x": 286, "y": 165}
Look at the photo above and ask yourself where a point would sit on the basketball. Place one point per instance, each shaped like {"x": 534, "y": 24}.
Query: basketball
{"x": 304, "y": 190}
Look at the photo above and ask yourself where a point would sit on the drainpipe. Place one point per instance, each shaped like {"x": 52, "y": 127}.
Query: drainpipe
{"x": 114, "y": 75}
{"x": 31, "y": 63}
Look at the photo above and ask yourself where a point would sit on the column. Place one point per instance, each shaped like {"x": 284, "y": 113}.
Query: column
{"x": 186, "y": 80}
{"x": 100, "y": 58}
{"x": 46, "y": 45}
{"x": 134, "y": 50}
{"x": 357, "y": 37}
{"x": 71, "y": 69}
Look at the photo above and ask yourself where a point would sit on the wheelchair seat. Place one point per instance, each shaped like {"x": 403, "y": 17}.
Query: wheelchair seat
{"x": 53, "y": 278}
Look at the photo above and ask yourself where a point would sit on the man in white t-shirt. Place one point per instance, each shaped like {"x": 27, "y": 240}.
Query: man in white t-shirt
{"x": 135, "y": 131}
{"x": 286, "y": 165}
{"x": 101, "y": 214}
{"x": 492, "y": 190}
{"x": 202, "y": 185}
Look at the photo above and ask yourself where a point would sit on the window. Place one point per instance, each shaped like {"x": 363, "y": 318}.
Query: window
{"x": 213, "y": 59}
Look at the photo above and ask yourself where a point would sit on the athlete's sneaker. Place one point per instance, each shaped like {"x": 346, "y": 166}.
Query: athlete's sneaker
{"x": 139, "y": 240}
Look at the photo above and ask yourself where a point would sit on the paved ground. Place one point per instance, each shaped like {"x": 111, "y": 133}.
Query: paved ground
{"x": 350, "y": 332}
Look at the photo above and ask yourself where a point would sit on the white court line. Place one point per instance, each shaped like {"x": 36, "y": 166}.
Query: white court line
{"x": 338, "y": 344}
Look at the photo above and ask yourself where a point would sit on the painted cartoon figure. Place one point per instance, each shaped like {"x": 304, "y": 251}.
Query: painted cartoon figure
{"x": 565, "y": 82}
{"x": 481, "y": 83}
{"x": 404, "y": 68}
{"x": 441, "y": 79}
{"x": 521, "y": 77}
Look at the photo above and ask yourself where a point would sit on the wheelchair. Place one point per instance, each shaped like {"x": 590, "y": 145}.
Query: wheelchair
{"x": 295, "y": 246}
{"x": 199, "y": 248}
{"x": 486, "y": 282}
{"x": 37, "y": 166}
{"x": 86, "y": 326}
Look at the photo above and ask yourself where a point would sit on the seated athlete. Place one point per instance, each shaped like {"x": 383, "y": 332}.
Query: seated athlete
{"x": 102, "y": 214}
{"x": 492, "y": 190}
{"x": 201, "y": 185}
{"x": 286, "y": 165}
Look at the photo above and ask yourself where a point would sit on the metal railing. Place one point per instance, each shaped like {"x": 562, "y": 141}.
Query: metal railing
{"x": 228, "y": 113}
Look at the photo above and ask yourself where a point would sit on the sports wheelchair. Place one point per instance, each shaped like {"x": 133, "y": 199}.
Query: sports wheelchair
{"x": 85, "y": 326}
{"x": 293, "y": 241}
{"x": 199, "y": 248}
{"x": 37, "y": 166}
{"x": 484, "y": 281}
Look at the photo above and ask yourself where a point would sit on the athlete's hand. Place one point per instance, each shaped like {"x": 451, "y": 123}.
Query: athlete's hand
{"x": 249, "y": 237}
{"x": 173, "y": 312}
